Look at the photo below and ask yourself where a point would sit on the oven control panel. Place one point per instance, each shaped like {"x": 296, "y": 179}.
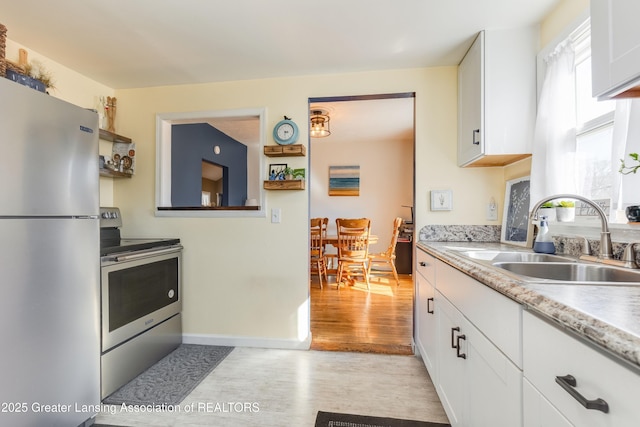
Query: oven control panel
{"x": 110, "y": 217}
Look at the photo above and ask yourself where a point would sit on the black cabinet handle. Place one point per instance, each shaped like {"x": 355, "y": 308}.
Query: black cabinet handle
{"x": 423, "y": 264}
{"x": 454, "y": 343}
{"x": 428, "y": 301}
{"x": 568, "y": 382}
{"x": 476, "y": 141}
{"x": 460, "y": 355}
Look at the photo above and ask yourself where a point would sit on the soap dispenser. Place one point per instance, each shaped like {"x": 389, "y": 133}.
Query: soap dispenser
{"x": 544, "y": 243}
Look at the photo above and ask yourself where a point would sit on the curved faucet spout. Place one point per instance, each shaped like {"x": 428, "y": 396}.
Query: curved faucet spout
{"x": 605, "y": 236}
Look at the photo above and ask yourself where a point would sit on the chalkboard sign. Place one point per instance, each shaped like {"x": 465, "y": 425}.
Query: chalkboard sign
{"x": 515, "y": 218}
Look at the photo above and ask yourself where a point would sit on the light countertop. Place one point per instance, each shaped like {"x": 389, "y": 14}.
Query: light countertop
{"x": 608, "y": 316}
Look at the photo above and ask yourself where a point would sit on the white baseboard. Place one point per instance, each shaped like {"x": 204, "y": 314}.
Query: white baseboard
{"x": 230, "y": 341}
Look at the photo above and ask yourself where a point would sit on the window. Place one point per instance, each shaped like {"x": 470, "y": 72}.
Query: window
{"x": 579, "y": 141}
{"x": 594, "y": 128}
{"x": 574, "y": 132}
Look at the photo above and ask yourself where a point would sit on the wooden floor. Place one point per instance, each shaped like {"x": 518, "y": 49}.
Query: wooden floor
{"x": 350, "y": 318}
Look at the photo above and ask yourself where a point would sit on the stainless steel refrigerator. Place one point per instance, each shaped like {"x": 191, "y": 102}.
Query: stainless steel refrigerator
{"x": 49, "y": 260}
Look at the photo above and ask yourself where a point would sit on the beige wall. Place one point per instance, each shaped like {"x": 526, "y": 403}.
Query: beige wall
{"x": 564, "y": 14}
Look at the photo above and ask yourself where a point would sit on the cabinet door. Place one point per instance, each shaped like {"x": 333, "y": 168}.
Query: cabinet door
{"x": 426, "y": 324}
{"x": 538, "y": 411}
{"x": 478, "y": 384}
{"x": 615, "y": 45}
{"x": 493, "y": 384}
{"x": 470, "y": 94}
{"x": 451, "y": 369}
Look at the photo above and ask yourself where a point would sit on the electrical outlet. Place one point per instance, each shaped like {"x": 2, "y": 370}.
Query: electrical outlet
{"x": 275, "y": 215}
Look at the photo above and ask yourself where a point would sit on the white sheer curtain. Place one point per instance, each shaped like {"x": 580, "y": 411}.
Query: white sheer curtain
{"x": 554, "y": 143}
{"x": 626, "y": 139}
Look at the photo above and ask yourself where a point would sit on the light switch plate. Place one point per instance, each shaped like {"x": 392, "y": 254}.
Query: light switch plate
{"x": 275, "y": 215}
{"x": 492, "y": 212}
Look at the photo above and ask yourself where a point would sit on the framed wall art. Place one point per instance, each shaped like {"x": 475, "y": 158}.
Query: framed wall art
{"x": 441, "y": 200}
{"x": 344, "y": 180}
{"x": 276, "y": 171}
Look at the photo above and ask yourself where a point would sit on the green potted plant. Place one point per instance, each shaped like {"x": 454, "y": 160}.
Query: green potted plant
{"x": 566, "y": 210}
{"x": 548, "y": 210}
{"x": 288, "y": 173}
{"x": 632, "y": 212}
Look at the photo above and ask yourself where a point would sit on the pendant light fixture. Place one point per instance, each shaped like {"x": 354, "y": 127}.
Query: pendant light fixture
{"x": 319, "y": 124}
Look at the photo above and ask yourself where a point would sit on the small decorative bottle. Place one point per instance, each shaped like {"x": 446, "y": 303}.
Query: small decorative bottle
{"x": 544, "y": 243}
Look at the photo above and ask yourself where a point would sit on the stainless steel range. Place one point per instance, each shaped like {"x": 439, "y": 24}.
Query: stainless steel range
{"x": 141, "y": 301}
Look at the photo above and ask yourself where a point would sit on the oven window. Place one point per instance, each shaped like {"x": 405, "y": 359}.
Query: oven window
{"x": 138, "y": 291}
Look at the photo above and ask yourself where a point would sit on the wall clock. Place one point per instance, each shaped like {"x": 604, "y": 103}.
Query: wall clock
{"x": 285, "y": 132}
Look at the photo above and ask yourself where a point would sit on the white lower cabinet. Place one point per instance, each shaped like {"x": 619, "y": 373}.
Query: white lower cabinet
{"x": 477, "y": 383}
{"x": 467, "y": 335}
{"x": 585, "y": 386}
{"x": 426, "y": 325}
{"x": 451, "y": 384}
{"x": 494, "y": 364}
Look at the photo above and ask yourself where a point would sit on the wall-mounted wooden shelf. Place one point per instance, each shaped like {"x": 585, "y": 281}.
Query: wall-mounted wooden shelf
{"x": 114, "y": 174}
{"x": 113, "y": 137}
{"x": 294, "y": 150}
{"x": 287, "y": 184}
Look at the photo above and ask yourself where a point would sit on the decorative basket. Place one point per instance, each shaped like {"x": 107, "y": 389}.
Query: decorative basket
{"x": 12, "y": 66}
{"x": 3, "y": 45}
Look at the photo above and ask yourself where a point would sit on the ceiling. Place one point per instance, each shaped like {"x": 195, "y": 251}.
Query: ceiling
{"x": 145, "y": 43}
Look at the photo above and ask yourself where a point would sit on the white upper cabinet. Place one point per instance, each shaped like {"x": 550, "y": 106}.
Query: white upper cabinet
{"x": 615, "y": 48}
{"x": 497, "y": 97}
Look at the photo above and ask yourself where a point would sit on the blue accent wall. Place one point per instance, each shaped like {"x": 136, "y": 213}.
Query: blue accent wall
{"x": 193, "y": 143}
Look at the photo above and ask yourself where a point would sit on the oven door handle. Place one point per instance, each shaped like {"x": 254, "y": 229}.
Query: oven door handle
{"x": 142, "y": 254}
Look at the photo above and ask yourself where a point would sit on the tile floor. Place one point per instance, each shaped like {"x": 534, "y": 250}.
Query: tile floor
{"x": 268, "y": 387}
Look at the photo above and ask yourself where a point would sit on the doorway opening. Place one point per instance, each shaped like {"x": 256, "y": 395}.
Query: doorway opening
{"x": 214, "y": 182}
{"x": 376, "y": 133}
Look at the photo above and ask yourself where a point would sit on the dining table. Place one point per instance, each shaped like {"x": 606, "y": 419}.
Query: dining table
{"x": 332, "y": 239}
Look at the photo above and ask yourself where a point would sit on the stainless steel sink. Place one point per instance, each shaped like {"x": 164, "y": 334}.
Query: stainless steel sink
{"x": 503, "y": 256}
{"x": 573, "y": 272}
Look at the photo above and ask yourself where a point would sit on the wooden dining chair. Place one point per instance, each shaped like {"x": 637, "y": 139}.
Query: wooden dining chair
{"x": 316, "y": 250}
{"x": 388, "y": 257}
{"x": 353, "y": 248}
{"x": 330, "y": 259}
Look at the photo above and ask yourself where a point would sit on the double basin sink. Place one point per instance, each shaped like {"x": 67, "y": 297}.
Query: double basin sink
{"x": 554, "y": 269}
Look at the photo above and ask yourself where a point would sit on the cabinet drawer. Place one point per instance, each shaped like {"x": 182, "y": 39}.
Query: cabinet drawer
{"x": 425, "y": 265}
{"x": 498, "y": 317}
{"x": 538, "y": 411}
{"x": 549, "y": 353}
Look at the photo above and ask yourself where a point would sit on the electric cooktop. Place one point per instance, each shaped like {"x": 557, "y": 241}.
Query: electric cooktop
{"x": 112, "y": 243}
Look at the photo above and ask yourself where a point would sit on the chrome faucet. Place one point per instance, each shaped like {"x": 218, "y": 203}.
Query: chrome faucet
{"x": 606, "y": 252}
{"x": 629, "y": 256}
